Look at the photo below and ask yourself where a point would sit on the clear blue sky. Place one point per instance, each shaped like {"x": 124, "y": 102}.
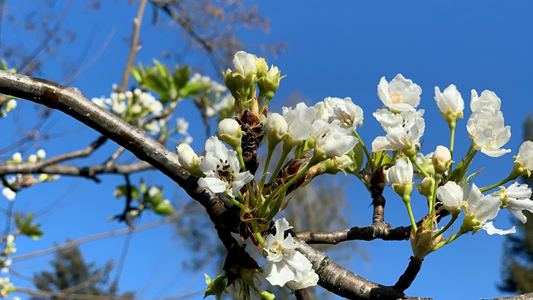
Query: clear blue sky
{"x": 338, "y": 49}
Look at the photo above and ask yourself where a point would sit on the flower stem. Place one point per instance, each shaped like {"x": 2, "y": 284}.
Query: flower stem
{"x": 368, "y": 157}
{"x": 433, "y": 198}
{"x": 449, "y": 240}
{"x": 490, "y": 187}
{"x": 407, "y": 201}
{"x": 452, "y": 140}
{"x": 235, "y": 201}
{"x": 257, "y": 234}
{"x": 454, "y": 217}
{"x": 412, "y": 158}
{"x": 282, "y": 158}
{"x": 267, "y": 163}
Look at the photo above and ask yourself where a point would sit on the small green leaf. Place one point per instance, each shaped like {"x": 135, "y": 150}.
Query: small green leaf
{"x": 137, "y": 75}
{"x": 156, "y": 82}
{"x": 193, "y": 89}
{"x": 181, "y": 76}
{"x": 122, "y": 191}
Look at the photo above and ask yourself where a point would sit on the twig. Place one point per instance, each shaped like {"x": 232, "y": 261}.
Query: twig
{"x": 302, "y": 294}
{"x": 96, "y": 237}
{"x": 111, "y": 161}
{"x": 25, "y": 63}
{"x": 134, "y": 48}
{"x": 408, "y": 276}
{"x": 375, "y": 231}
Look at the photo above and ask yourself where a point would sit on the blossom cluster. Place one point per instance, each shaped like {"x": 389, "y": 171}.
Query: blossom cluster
{"x": 323, "y": 139}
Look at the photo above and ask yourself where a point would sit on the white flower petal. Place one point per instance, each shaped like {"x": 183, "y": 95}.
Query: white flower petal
{"x": 489, "y": 227}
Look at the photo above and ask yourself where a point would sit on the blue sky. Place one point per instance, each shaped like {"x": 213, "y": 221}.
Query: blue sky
{"x": 337, "y": 49}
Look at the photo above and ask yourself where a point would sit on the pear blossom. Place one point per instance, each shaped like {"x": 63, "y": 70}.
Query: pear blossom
{"x": 486, "y": 128}
{"x": 451, "y": 196}
{"x": 401, "y": 173}
{"x": 345, "y": 111}
{"x": 221, "y": 167}
{"x": 525, "y": 156}
{"x": 187, "y": 157}
{"x": 403, "y": 130}
{"x": 487, "y": 99}
{"x": 229, "y": 127}
{"x": 299, "y": 121}
{"x": 16, "y": 158}
{"x": 322, "y": 112}
{"x": 285, "y": 264}
{"x": 481, "y": 208}
{"x": 516, "y": 198}
{"x": 441, "y": 159}
{"x": 400, "y": 94}
{"x": 276, "y": 127}
{"x": 9, "y": 194}
{"x": 244, "y": 63}
{"x": 182, "y": 125}
{"x": 450, "y": 102}
{"x": 333, "y": 140}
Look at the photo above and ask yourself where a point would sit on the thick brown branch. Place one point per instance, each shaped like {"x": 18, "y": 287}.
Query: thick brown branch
{"x": 404, "y": 282}
{"x": 375, "y": 231}
{"x": 81, "y": 171}
{"x": 528, "y": 296}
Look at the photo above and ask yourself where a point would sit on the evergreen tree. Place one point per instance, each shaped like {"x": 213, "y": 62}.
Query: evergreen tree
{"x": 517, "y": 268}
{"x": 71, "y": 276}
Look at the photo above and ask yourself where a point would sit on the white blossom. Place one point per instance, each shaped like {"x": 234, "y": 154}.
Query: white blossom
{"x": 332, "y": 139}
{"x": 449, "y": 100}
{"x": 403, "y": 130}
{"x": 300, "y": 121}
{"x": 525, "y": 155}
{"x": 276, "y": 125}
{"x": 187, "y": 157}
{"x": 229, "y": 127}
{"x": 345, "y": 111}
{"x": 483, "y": 208}
{"x": 182, "y": 125}
{"x": 9, "y": 194}
{"x": 322, "y": 112}
{"x": 41, "y": 154}
{"x": 221, "y": 167}
{"x": 10, "y": 105}
{"x": 487, "y": 99}
{"x": 285, "y": 264}
{"x": 486, "y": 128}
{"x": 400, "y": 94}
{"x": 516, "y": 198}
{"x": 244, "y": 63}
{"x": 401, "y": 173}
{"x": 16, "y": 158}
{"x": 451, "y": 196}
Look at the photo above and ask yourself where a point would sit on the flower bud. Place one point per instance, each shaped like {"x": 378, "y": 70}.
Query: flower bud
{"x": 269, "y": 83}
{"x": 41, "y": 154}
{"x": 9, "y": 194}
{"x": 215, "y": 287}
{"x": 229, "y": 131}
{"x": 400, "y": 176}
{"x": 425, "y": 188}
{"x": 32, "y": 158}
{"x": 16, "y": 158}
{"x": 189, "y": 160}
{"x": 11, "y": 104}
{"x": 441, "y": 159}
{"x": 422, "y": 241}
{"x": 336, "y": 164}
{"x": 276, "y": 128}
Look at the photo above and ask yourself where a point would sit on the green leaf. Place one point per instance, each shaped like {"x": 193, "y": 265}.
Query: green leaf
{"x": 122, "y": 191}
{"x": 137, "y": 75}
{"x": 25, "y": 227}
{"x": 193, "y": 88}
{"x": 181, "y": 76}
{"x": 164, "y": 208}
{"x": 144, "y": 190}
{"x": 156, "y": 82}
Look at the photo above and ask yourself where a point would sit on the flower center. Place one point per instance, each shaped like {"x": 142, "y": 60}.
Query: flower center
{"x": 396, "y": 97}
{"x": 225, "y": 172}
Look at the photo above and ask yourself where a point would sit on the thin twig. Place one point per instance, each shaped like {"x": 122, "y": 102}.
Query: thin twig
{"x": 96, "y": 237}
{"x": 134, "y": 48}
